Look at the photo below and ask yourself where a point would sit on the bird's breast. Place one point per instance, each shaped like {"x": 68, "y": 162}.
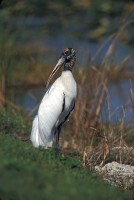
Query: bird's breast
{"x": 69, "y": 84}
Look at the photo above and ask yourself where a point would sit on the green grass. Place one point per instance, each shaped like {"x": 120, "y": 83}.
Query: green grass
{"x": 15, "y": 123}
{"x": 29, "y": 173}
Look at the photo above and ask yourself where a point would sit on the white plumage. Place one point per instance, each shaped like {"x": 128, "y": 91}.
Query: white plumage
{"x": 56, "y": 105}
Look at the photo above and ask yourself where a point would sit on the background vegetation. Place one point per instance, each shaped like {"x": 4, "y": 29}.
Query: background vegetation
{"x": 32, "y": 34}
{"x": 32, "y": 173}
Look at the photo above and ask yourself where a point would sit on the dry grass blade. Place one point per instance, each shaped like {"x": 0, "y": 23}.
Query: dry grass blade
{"x": 131, "y": 95}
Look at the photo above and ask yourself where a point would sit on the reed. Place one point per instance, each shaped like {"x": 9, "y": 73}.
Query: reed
{"x": 98, "y": 139}
{"x": 23, "y": 66}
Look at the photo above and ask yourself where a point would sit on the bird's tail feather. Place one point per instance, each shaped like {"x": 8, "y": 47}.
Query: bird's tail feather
{"x": 38, "y": 136}
{"x": 35, "y": 133}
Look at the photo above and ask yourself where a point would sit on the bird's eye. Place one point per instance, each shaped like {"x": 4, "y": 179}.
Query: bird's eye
{"x": 66, "y": 52}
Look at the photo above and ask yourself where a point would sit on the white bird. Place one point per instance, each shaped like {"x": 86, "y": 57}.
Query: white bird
{"x": 57, "y": 103}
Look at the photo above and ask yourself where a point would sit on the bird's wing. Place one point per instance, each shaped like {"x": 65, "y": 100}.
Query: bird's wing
{"x": 64, "y": 116}
{"x": 49, "y": 112}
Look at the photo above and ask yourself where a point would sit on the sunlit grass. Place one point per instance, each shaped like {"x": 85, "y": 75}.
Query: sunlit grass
{"x": 29, "y": 173}
{"x": 26, "y": 66}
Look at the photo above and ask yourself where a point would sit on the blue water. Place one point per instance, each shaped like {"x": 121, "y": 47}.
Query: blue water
{"x": 86, "y": 50}
{"x": 119, "y": 102}
{"x": 88, "y": 53}
{"x": 118, "y": 98}
{"x": 118, "y": 92}
{"x": 36, "y": 32}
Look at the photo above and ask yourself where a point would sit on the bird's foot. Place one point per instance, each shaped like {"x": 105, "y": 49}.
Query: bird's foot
{"x": 57, "y": 148}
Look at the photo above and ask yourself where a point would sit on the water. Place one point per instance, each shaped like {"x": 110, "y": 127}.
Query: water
{"x": 36, "y": 30}
{"x": 119, "y": 102}
{"x": 119, "y": 92}
{"x": 87, "y": 50}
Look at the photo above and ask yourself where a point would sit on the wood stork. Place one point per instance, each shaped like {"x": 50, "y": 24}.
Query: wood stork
{"x": 57, "y": 103}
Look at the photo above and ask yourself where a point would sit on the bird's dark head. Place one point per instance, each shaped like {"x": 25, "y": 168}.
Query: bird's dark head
{"x": 68, "y": 54}
{"x": 67, "y": 59}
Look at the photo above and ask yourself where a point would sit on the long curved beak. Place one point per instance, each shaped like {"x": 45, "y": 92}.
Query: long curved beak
{"x": 56, "y": 68}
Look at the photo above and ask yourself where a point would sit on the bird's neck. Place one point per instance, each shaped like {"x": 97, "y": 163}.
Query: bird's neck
{"x": 67, "y": 67}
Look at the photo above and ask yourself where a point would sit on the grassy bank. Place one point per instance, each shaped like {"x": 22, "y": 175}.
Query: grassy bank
{"x": 29, "y": 173}
{"x": 26, "y": 60}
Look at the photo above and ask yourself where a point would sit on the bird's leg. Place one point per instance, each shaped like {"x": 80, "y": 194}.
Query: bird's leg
{"x": 57, "y": 137}
{"x": 57, "y": 140}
